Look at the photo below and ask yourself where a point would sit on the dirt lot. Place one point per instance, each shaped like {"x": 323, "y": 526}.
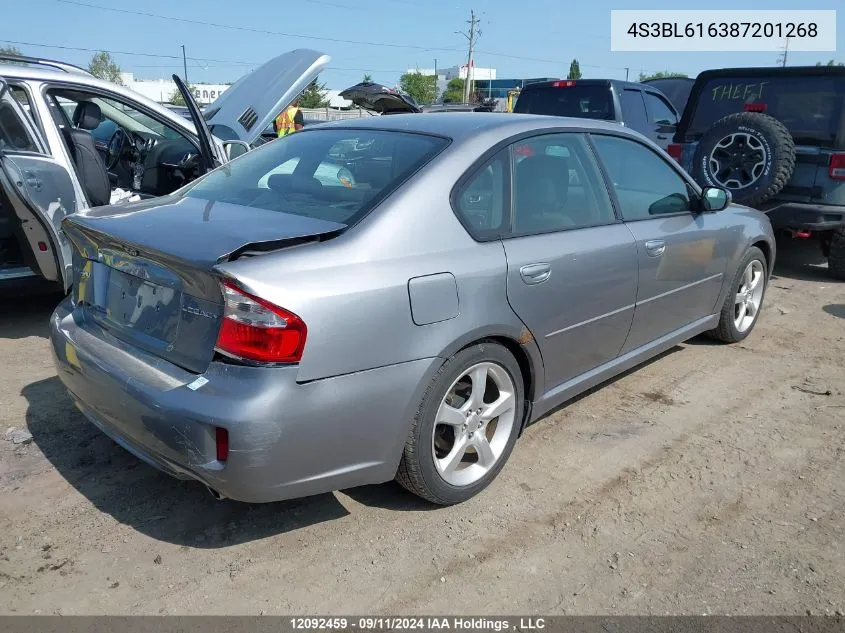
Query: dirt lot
{"x": 709, "y": 481}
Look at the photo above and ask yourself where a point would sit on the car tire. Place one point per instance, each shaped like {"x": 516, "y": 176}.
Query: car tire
{"x": 744, "y": 137}
{"x": 434, "y": 445}
{"x": 732, "y": 328}
{"x": 836, "y": 255}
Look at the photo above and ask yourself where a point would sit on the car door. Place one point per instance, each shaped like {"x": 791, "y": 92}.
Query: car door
{"x": 571, "y": 264}
{"x": 634, "y": 114}
{"x": 682, "y": 253}
{"x": 38, "y": 191}
{"x": 662, "y": 119}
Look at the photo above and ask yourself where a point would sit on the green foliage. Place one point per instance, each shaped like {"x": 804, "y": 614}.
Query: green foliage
{"x": 454, "y": 91}
{"x": 102, "y": 65}
{"x": 314, "y": 96}
{"x": 176, "y": 97}
{"x": 665, "y": 74}
{"x": 832, "y": 62}
{"x": 10, "y": 50}
{"x": 574, "y": 70}
{"x": 423, "y": 88}
{"x": 367, "y": 78}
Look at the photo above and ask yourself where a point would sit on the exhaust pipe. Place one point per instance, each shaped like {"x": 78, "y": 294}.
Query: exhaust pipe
{"x": 214, "y": 493}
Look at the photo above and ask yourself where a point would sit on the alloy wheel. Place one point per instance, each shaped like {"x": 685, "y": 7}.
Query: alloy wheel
{"x": 749, "y": 295}
{"x": 737, "y": 161}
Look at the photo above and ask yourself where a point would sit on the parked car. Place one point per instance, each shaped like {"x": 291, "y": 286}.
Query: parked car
{"x": 634, "y": 105}
{"x": 381, "y": 99}
{"x": 775, "y": 137}
{"x": 676, "y": 89}
{"x": 70, "y": 142}
{"x": 314, "y": 335}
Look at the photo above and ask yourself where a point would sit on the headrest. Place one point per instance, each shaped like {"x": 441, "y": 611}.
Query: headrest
{"x": 87, "y": 115}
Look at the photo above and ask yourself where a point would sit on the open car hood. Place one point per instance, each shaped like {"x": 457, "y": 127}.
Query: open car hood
{"x": 246, "y": 108}
{"x": 380, "y": 99}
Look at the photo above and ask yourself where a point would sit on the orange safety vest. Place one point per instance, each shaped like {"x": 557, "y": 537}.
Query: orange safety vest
{"x": 284, "y": 122}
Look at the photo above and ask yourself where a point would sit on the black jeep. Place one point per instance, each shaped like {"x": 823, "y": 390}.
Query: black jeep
{"x": 774, "y": 137}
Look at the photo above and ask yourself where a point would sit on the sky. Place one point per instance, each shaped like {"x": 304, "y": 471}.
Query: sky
{"x": 533, "y": 38}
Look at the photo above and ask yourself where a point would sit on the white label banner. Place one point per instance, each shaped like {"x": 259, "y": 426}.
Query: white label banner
{"x": 722, "y": 30}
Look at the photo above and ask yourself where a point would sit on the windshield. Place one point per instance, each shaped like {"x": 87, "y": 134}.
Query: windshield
{"x": 811, "y": 108}
{"x": 586, "y": 102}
{"x": 338, "y": 175}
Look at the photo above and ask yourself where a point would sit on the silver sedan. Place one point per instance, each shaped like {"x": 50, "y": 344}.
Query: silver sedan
{"x": 395, "y": 297}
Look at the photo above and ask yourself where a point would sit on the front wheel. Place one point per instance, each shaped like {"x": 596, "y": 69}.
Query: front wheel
{"x": 466, "y": 426}
{"x": 745, "y": 299}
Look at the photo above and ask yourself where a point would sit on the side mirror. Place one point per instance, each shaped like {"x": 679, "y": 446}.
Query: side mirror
{"x": 715, "y": 198}
{"x": 234, "y": 149}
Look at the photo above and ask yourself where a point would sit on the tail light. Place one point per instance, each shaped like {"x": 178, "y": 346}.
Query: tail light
{"x": 674, "y": 150}
{"x": 563, "y": 83}
{"x": 221, "y": 437}
{"x": 836, "y": 170}
{"x": 755, "y": 107}
{"x": 256, "y": 330}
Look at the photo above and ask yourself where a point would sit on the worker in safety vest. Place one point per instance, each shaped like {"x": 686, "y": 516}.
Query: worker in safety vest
{"x": 290, "y": 120}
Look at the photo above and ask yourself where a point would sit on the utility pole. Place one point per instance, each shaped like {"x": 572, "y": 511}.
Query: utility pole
{"x": 185, "y": 64}
{"x": 472, "y": 36}
{"x": 626, "y": 73}
{"x": 782, "y": 58}
{"x": 435, "y": 80}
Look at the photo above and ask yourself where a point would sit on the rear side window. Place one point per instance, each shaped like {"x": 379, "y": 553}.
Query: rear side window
{"x": 480, "y": 203}
{"x": 14, "y": 136}
{"x": 633, "y": 110}
{"x": 586, "y": 102}
{"x": 329, "y": 174}
{"x": 810, "y": 107}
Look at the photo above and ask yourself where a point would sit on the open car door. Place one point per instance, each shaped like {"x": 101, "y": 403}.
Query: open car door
{"x": 210, "y": 154}
{"x": 36, "y": 193}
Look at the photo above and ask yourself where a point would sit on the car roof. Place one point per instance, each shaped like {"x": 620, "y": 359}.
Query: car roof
{"x": 465, "y": 125}
{"x": 771, "y": 71}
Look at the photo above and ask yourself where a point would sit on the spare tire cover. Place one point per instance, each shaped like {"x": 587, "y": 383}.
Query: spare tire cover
{"x": 749, "y": 153}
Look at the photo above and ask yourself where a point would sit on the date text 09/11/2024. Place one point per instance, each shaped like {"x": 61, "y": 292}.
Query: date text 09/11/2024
{"x": 723, "y": 29}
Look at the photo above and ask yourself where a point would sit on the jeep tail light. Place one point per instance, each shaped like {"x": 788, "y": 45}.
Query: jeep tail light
{"x": 836, "y": 171}
{"x": 568, "y": 83}
{"x": 254, "y": 329}
{"x": 755, "y": 107}
{"x": 674, "y": 150}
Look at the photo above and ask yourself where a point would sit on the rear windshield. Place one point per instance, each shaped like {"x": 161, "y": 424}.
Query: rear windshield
{"x": 587, "y": 102}
{"x": 329, "y": 174}
{"x": 810, "y": 107}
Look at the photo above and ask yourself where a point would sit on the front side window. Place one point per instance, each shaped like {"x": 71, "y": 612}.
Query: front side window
{"x": 659, "y": 111}
{"x": 557, "y": 186}
{"x": 633, "y": 109}
{"x": 305, "y": 173}
{"x": 646, "y": 185}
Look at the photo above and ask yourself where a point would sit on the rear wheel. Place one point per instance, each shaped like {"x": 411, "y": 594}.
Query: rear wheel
{"x": 466, "y": 426}
{"x": 745, "y": 299}
{"x": 836, "y": 255}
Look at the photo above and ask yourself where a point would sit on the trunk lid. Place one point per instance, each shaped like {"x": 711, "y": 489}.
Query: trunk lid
{"x": 146, "y": 274}
{"x": 246, "y": 108}
{"x": 381, "y": 99}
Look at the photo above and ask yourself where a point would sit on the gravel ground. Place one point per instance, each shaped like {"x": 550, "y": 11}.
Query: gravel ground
{"x": 711, "y": 480}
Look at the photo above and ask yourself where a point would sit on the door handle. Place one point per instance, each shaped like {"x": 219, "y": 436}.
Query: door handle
{"x": 535, "y": 273}
{"x": 655, "y": 248}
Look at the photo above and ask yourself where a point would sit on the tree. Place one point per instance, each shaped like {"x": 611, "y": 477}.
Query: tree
{"x": 665, "y": 74}
{"x": 103, "y": 66}
{"x": 574, "y": 70}
{"x": 454, "y": 91}
{"x": 176, "y": 96}
{"x": 832, "y": 62}
{"x": 423, "y": 88}
{"x": 368, "y": 78}
{"x": 10, "y": 50}
{"x": 314, "y": 96}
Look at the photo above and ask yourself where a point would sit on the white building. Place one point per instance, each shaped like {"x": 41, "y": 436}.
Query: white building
{"x": 160, "y": 90}
{"x": 457, "y": 72}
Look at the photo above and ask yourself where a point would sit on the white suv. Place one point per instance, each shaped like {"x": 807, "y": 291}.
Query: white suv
{"x": 70, "y": 141}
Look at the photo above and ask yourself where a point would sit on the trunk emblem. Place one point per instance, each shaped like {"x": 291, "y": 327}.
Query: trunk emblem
{"x": 198, "y": 312}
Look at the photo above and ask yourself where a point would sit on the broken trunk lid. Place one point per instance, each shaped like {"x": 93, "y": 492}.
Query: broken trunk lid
{"x": 247, "y": 107}
{"x": 381, "y": 99}
{"x": 145, "y": 272}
